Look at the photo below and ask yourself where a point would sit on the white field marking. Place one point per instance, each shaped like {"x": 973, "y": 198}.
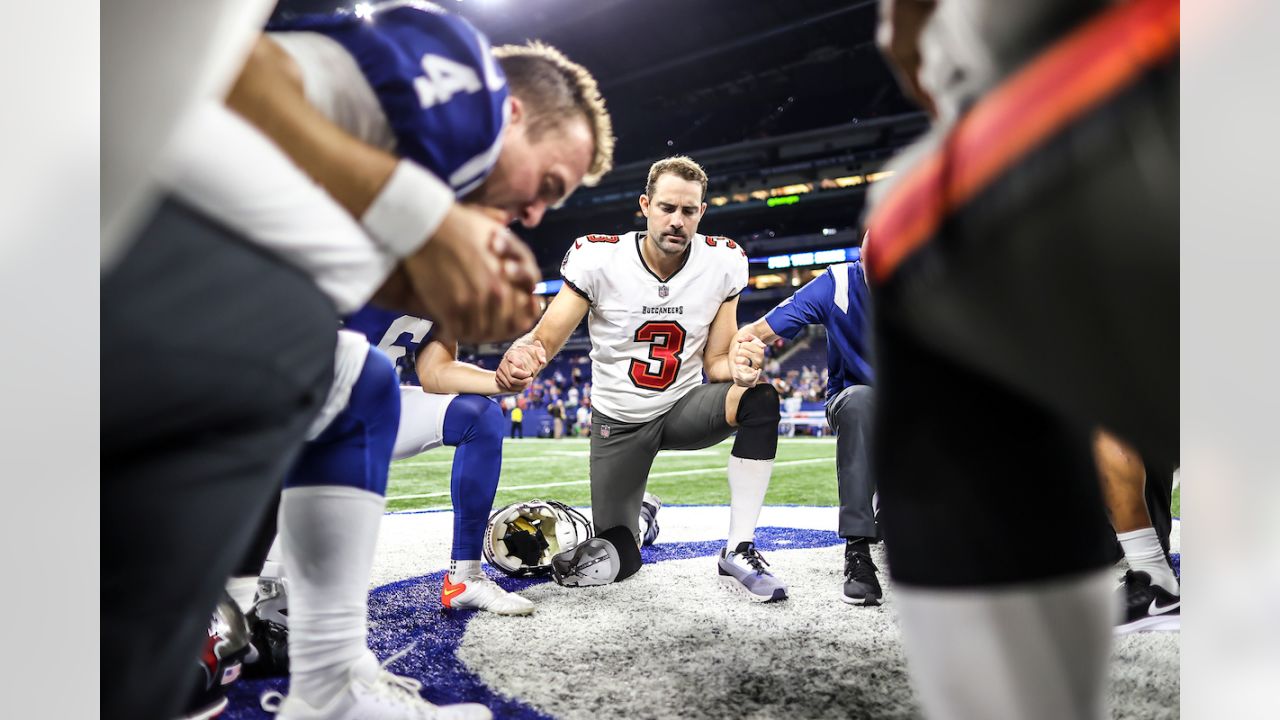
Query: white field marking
{"x": 672, "y": 473}
{"x": 828, "y": 439}
{"x": 664, "y": 453}
{"x": 430, "y": 463}
{"x": 586, "y": 453}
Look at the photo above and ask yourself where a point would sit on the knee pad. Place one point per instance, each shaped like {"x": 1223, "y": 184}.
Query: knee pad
{"x": 608, "y": 557}
{"x": 758, "y": 416}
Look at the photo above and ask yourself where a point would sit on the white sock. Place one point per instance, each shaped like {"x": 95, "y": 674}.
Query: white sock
{"x": 273, "y": 567}
{"x": 242, "y": 590}
{"x": 459, "y": 569}
{"x": 1033, "y": 650}
{"x": 1142, "y": 550}
{"x": 748, "y": 481}
{"x": 328, "y": 535}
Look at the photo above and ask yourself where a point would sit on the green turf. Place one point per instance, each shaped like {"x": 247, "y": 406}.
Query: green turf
{"x": 804, "y": 474}
{"x": 541, "y": 462}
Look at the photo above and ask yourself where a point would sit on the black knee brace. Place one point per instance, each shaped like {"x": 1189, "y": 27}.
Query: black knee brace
{"x": 758, "y": 418}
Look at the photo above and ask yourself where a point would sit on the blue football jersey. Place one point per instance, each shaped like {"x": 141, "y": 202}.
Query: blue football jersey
{"x": 435, "y": 77}
{"x": 839, "y": 300}
{"x": 397, "y": 335}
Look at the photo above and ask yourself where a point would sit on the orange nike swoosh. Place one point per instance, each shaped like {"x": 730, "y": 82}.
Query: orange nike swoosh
{"x": 450, "y": 590}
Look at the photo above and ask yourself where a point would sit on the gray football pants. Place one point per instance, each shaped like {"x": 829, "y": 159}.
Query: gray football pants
{"x": 850, "y": 415}
{"x": 622, "y": 453}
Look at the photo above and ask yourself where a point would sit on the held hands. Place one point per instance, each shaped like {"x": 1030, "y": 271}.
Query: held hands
{"x": 519, "y": 366}
{"x": 746, "y": 359}
{"x": 475, "y": 278}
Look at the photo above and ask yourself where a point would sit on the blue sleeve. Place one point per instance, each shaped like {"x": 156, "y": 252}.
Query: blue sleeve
{"x": 808, "y": 306}
{"x": 436, "y": 79}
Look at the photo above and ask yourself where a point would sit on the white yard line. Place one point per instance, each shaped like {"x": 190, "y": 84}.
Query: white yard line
{"x": 672, "y": 473}
{"x": 431, "y": 463}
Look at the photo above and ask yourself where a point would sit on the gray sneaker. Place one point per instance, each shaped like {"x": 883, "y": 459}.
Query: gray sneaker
{"x": 649, "y": 508}
{"x": 743, "y": 571}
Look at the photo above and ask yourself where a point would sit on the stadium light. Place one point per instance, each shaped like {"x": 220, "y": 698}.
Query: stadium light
{"x": 364, "y": 10}
{"x": 548, "y": 287}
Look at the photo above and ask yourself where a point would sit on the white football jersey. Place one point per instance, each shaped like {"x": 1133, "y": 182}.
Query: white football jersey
{"x": 648, "y": 336}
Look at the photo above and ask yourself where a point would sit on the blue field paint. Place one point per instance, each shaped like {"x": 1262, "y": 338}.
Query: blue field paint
{"x": 407, "y": 614}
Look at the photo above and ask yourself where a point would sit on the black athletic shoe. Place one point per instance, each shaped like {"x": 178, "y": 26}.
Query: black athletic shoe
{"x": 1147, "y": 607}
{"x": 861, "y": 587}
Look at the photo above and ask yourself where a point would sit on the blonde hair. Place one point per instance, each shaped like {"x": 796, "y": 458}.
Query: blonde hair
{"x": 681, "y": 166}
{"x": 554, "y": 87}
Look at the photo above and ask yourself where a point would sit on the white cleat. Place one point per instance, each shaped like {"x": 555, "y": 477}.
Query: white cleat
{"x": 386, "y": 697}
{"x": 480, "y": 592}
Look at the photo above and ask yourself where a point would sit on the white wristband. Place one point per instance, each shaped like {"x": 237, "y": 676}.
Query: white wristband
{"x": 408, "y": 209}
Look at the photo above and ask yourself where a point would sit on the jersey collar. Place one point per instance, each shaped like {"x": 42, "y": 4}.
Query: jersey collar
{"x": 683, "y": 261}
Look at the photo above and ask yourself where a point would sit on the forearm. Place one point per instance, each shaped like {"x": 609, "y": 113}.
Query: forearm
{"x": 551, "y": 345}
{"x": 271, "y": 96}
{"x": 761, "y": 330}
{"x": 462, "y": 378}
{"x": 717, "y": 367}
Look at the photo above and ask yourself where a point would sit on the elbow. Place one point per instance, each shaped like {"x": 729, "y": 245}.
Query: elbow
{"x": 431, "y": 382}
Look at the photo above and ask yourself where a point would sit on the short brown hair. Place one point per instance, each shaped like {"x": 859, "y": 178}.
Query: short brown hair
{"x": 679, "y": 165}
{"x": 555, "y": 87}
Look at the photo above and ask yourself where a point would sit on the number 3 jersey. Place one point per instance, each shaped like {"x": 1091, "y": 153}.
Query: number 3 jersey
{"x": 648, "y": 335}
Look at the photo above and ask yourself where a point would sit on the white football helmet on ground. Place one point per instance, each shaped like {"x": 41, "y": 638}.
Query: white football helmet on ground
{"x": 523, "y": 537}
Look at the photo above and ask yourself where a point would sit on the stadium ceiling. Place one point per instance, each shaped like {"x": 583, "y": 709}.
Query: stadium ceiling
{"x": 682, "y": 76}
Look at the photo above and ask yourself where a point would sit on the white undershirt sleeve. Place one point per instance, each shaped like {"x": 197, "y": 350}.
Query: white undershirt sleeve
{"x": 226, "y": 168}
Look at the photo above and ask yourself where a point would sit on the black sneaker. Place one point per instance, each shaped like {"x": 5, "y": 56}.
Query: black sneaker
{"x": 861, "y": 587}
{"x": 1147, "y": 607}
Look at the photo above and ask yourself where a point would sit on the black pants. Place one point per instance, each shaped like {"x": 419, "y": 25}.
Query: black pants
{"x": 851, "y": 416}
{"x": 1045, "y": 306}
{"x": 215, "y": 358}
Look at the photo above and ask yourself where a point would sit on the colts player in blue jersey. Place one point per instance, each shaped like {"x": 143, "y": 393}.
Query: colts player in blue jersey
{"x": 515, "y": 130}
{"x": 446, "y": 402}
{"x": 839, "y": 300}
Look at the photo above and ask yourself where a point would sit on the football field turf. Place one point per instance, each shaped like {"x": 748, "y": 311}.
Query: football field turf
{"x": 804, "y": 474}
{"x": 824, "y": 658}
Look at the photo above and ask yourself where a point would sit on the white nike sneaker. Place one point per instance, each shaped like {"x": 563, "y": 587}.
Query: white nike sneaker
{"x": 385, "y": 697}
{"x": 480, "y": 592}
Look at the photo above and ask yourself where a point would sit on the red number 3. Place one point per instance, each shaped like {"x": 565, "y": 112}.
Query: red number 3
{"x": 667, "y": 340}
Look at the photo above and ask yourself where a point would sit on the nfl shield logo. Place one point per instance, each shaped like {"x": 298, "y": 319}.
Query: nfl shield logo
{"x": 604, "y": 431}
{"x": 663, "y": 291}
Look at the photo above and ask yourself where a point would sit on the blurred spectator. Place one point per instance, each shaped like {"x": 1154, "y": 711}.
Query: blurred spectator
{"x": 556, "y": 409}
{"x": 791, "y": 406}
{"x": 517, "y": 422}
{"x": 584, "y": 419}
